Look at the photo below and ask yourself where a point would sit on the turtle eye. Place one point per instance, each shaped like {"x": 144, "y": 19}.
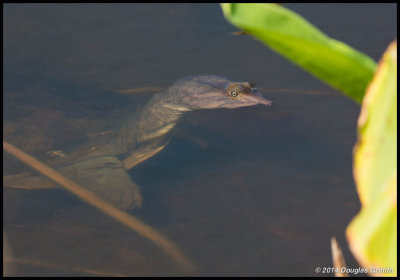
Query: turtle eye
{"x": 234, "y": 94}
{"x": 254, "y": 89}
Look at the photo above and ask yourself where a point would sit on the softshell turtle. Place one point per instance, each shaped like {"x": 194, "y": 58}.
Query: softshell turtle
{"x": 97, "y": 154}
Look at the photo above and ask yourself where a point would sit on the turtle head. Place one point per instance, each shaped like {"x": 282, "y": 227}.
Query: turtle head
{"x": 222, "y": 94}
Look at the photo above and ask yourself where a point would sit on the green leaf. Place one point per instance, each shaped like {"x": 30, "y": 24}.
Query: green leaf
{"x": 372, "y": 234}
{"x": 375, "y": 157}
{"x": 292, "y": 36}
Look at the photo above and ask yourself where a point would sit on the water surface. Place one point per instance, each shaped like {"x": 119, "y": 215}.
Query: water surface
{"x": 254, "y": 191}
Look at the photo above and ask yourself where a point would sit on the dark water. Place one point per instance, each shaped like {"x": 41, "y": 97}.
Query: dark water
{"x": 254, "y": 191}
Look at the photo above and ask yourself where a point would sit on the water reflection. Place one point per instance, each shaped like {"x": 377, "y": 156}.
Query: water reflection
{"x": 251, "y": 191}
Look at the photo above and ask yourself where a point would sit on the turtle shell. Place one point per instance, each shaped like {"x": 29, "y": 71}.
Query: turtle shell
{"x": 53, "y": 120}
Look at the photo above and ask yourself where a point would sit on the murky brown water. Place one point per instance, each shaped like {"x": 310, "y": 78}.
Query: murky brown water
{"x": 254, "y": 191}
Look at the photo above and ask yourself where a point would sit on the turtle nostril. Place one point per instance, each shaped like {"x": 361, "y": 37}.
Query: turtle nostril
{"x": 268, "y": 102}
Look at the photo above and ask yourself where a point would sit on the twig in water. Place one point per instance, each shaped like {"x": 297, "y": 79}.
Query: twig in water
{"x": 142, "y": 89}
{"x": 338, "y": 260}
{"x": 92, "y": 199}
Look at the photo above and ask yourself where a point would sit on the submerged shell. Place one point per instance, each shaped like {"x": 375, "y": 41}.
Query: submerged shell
{"x": 52, "y": 120}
